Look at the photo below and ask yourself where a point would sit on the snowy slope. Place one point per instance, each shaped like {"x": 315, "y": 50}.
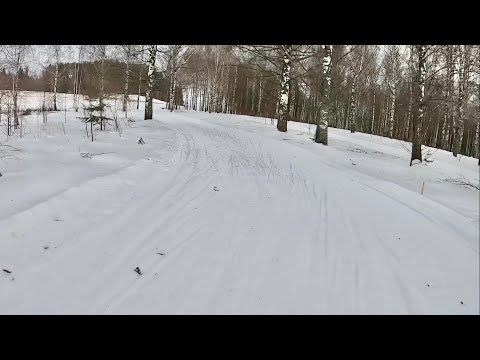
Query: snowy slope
{"x": 224, "y": 214}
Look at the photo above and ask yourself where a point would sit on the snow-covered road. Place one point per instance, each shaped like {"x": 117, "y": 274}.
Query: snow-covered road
{"x": 223, "y": 215}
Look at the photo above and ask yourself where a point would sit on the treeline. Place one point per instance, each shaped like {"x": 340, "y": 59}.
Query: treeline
{"x": 25, "y": 80}
{"x": 424, "y": 94}
{"x": 372, "y": 89}
{"x": 88, "y": 79}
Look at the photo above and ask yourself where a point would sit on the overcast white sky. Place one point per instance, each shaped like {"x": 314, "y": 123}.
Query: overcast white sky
{"x": 39, "y": 58}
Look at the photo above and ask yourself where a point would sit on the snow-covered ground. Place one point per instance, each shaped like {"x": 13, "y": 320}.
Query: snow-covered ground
{"x": 224, "y": 214}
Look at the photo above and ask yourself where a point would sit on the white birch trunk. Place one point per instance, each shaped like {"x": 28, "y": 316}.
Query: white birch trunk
{"x": 150, "y": 74}
{"x": 125, "y": 94}
{"x": 259, "y": 97}
{"x": 458, "y": 119}
{"x": 253, "y": 96}
{"x": 321, "y": 134}
{"x": 171, "y": 100}
{"x": 418, "y": 117}
{"x": 392, "y": 111}
{"x": 75, "y": 80}
{"x": 55, "y": 81}
{"x": 234, "y": 104}
{"x": 139, "y": 86}
{"x": 352, "y": 112}
{"x": 373, "y": 113}
{"x": 476, "y": 144}
{"x": 285, "y": 89}
{"x": 15, "y": 100}
{"x": 441, "y": 142}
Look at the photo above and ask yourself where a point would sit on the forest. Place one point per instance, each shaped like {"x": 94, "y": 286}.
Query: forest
{"x": 424, "y": 94}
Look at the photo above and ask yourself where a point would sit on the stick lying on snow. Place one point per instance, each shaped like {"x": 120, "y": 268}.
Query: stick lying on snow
{"x": 89, "y": 155}
{"x": 463, "y": 181}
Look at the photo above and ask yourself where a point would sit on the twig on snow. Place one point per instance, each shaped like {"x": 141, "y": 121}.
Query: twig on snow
{"x": 462, "y": 181}
{"x": 90, "y": 155}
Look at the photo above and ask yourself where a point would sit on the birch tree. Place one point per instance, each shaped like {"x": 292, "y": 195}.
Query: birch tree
{"x": 128, "y": 54}
{"x": 321, "y": 133}
{"x": 285, "y": 88}
{"x": 476, "y": 143}
{"x": 56, "y": 54}
{"x": 392, "y": 68}
{"x": 359, "y": 59}
{"x": 281, "y": 59}
{"x": 152, "y": 55}
{"x": 421, "y": 52}
{"x": 447, "y": 119}
{"x": 77, "y": 81}
{"x": 477, "y": 133}
{"x": 352, "y": 108}
{"x": 14, "y": 58}
{"x": 463, "y": 94}
{"x": 175, "y": 57}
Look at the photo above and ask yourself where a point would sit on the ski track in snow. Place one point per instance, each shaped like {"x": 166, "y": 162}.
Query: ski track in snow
{"x": 248, "y": 223}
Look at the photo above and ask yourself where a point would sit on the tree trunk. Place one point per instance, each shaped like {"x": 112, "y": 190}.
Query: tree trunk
{"x": 195, "y": 92}
{"x": 362, "y": 117}
{"x": 259, "y": 106}
{"x": 204, "y": 95}
{"x": 125, "y": 94}
{"x": 234, "y": 104}
{"x": 75, "y": 86}
{"x": 44, "y": 109}
{"x": 289, "y": 102}
{"x": 285, "y": 89}
{"x": 321, "y": 133}
{"x": 443, "y": 143}
{"x": 419, "y": 111}
{"x": 15, "y": 101}
{"x": 220, "y": 89}
{"x": 171, "y": 100}
{"x": 148, "y": 91}
{"x": 253, "y": 96}
{"x": 406, "y": 135}
{"x": 139, "y": 86}
{"x": 76, "y": 89}
{"x": 55, "y": 81}
{"x": 8, "y": 119}
{"x": 476, "y": 146}
{"x": 102, "y": 95}
{"x": 443, "y": 127}
{"x": 351, "y": 114}
{"x": 373, "y": 113}
{"x": 457, "y": 126}
{"x": 79, "y": 86}
{"x": 392, "y": 111}
{"x": 465, "y": 139}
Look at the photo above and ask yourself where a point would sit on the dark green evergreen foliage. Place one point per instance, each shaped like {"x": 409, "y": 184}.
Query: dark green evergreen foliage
{"x": 95, "y": 116}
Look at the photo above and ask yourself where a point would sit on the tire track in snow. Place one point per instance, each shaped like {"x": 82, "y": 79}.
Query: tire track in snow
{"x": 263, "y": 259}
{"x": 190, "y": 148}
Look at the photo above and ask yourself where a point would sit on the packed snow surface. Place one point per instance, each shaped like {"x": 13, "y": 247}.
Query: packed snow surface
{"x": 223, "y": 214}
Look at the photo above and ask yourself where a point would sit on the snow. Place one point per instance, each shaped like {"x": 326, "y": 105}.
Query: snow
{"x": 249, "y": 220}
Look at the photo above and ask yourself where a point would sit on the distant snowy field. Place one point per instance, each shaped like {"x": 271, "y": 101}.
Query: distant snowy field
{"x": 224, "y": 214}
